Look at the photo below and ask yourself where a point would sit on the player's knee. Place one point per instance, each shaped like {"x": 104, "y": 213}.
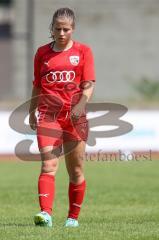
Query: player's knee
{"x": 48, "y": 153}
{"x": 76, "y": 173}
{"x": 49, "y": 166}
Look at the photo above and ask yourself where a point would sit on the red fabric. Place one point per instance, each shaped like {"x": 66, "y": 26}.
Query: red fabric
{"x": 76, "y": 196}
{"x": 59, "y": 74}
{"x": 46, "y": 190}
{"x": 61, "y": 130}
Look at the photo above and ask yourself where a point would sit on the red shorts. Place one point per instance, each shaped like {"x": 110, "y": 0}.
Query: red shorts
{"x": 54, "y": 131}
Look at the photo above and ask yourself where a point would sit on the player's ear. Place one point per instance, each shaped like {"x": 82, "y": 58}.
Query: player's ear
{"x": 73, "y": 28}
{"x": 52, "y": 34}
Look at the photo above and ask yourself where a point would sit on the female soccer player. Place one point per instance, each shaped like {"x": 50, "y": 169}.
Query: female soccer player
{"x": 63, "y": 84}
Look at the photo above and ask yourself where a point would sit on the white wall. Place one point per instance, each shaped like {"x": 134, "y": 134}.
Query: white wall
{"x": 143, "y": 137}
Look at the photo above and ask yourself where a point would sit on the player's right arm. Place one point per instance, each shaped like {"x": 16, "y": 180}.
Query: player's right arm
{"x": 33, "y": 107}
{"x": 35, "y": 92}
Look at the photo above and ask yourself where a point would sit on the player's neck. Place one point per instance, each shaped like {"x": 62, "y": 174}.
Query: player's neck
{"x": 57, "y": 47}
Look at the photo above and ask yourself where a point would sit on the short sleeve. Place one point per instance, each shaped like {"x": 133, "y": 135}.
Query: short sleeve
{"x": 88, "y": 68}
{"x": 37, "y": 78}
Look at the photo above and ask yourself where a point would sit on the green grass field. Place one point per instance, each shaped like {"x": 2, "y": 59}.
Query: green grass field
{"x": 122, "y": 202}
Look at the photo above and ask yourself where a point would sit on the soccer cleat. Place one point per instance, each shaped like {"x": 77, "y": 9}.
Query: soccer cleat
{"x": 43, "y": 219}
{"x": 70, "y": 222}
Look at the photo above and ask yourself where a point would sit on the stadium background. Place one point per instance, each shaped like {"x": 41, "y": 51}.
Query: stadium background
{"x": 124, "y": 37}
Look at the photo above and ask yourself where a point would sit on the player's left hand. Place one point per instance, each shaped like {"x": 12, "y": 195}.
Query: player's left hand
{"x": 77, "y": 111}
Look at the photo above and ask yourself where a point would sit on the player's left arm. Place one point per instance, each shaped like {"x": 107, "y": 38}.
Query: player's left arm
{"x": 88, "y": 78}
{"x": 85, "y": 97}
{"x": 79, "y": 108}
{"x": 87, "y": 93}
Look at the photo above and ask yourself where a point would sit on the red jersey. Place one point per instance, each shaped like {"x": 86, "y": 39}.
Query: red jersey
{"x": 61, "y": 75}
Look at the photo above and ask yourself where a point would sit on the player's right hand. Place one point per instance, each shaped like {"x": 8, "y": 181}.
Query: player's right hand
{"x": 33, "y": 121}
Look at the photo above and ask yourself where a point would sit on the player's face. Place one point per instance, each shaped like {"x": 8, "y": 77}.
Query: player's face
{"x": 62, "y": 31}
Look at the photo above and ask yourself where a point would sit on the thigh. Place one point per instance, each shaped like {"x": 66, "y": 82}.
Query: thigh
{"x": 49, "y": 134}
{"x": 75, "y": 130}
{"x": 49, "y": 153}
{"x": 74, "y": 154}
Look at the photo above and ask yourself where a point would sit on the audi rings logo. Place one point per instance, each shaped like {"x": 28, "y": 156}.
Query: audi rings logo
{"x": 60, "y": 76}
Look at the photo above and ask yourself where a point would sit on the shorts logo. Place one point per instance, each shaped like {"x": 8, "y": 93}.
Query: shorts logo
{"x": 46, "y": 63}
{"x": 74, "y": 60}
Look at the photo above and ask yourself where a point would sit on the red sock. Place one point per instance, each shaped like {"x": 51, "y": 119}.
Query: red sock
{"x": 76, "y": 196}
{"x": 46, "y": 190}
